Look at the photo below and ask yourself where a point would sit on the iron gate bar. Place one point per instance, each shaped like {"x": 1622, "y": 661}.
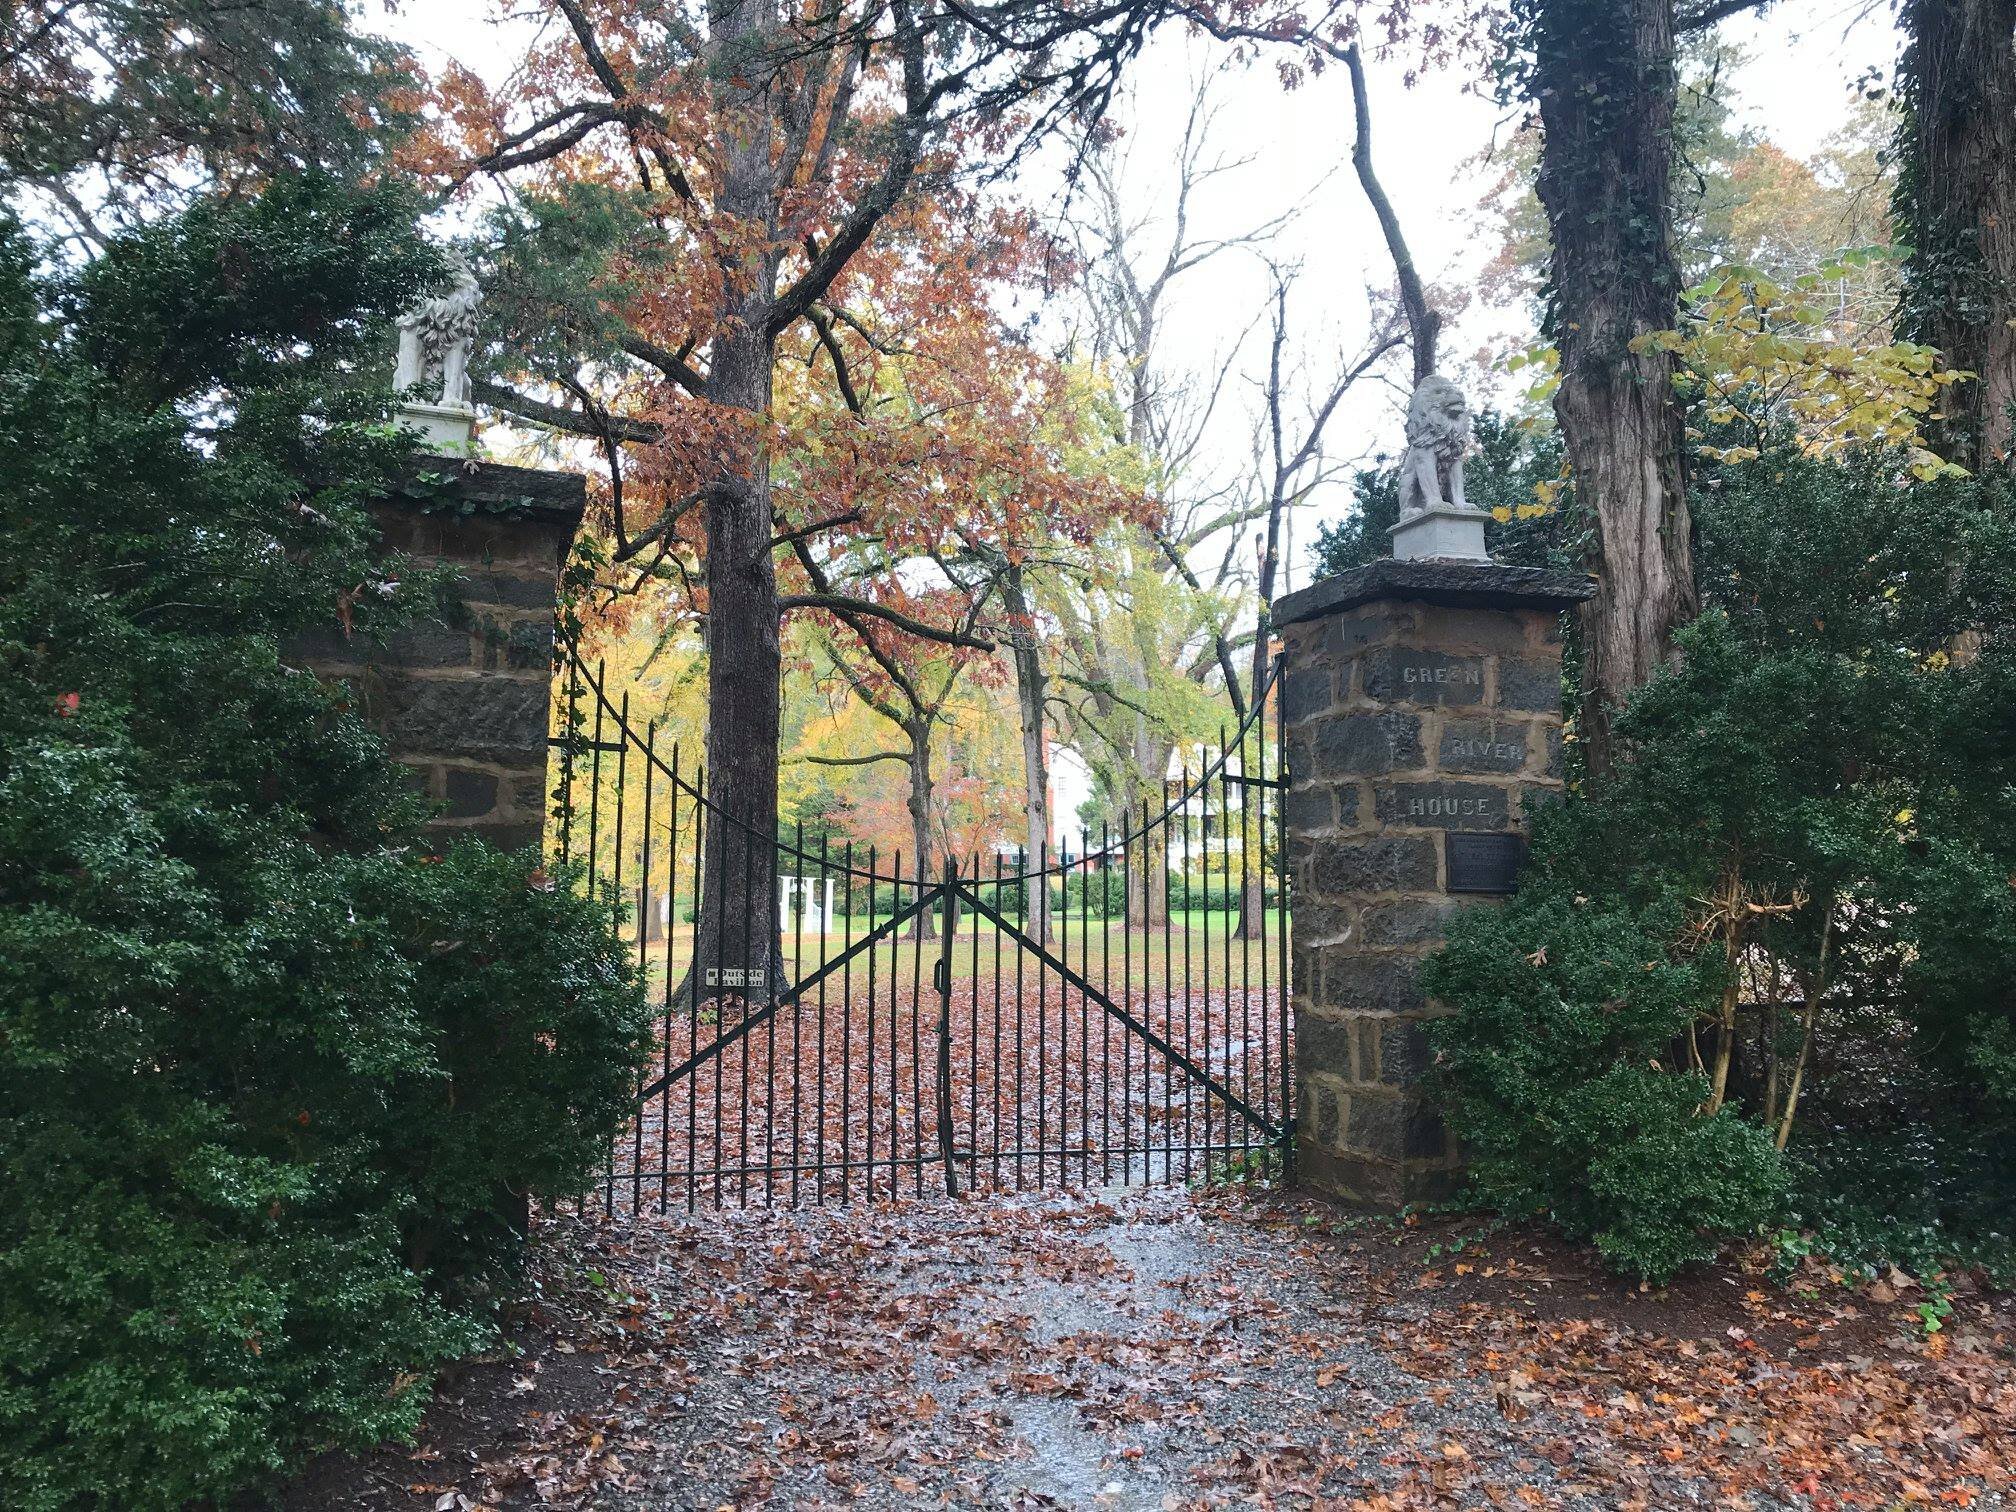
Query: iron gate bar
{"x": 1281, "y": 916}
{"x": 792, "y": 994}
{"x": 1176, "y": 1057}
{"x": 643, "y": 946}
{"x": 696, "y": 789}
{"x": 949, "y": 891}
{"x": 1186, "y": 788}
{"x": 671, "y": 913}
{"x": 916, "y": 1085}
{"x": 1189, "y": 1088}
{"x": 1073, "y": 1107}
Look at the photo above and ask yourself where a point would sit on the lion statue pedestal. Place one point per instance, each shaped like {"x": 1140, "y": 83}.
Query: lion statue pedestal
{"x": 1441, "y": 534}
{"x": 1436, "y": 521}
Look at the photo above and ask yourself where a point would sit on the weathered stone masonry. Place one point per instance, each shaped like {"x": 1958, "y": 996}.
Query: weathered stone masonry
{"x": 465, "y": 700}
{"x": 1421, "y": 699}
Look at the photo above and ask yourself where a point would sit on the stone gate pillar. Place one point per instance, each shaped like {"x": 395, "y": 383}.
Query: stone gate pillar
{"x": 465, "y": 699}
{"x": 1422, "y": 706}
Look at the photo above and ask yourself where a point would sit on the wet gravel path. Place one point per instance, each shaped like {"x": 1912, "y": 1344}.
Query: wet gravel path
{"x": 1119, "y": 1350}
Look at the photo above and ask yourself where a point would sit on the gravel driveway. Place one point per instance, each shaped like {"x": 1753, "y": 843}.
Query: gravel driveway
{"x": 1164, "y": 1349}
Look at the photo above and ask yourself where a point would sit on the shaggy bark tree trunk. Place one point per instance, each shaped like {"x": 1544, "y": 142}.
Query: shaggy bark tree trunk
{"x": 1604, "y": 82}
{"x": 738, "y": 927}
{"x": 1956, "y": 205}
{"x": 1029, "y": 697}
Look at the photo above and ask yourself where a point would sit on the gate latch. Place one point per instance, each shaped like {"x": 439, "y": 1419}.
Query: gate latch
{"x": 941, "y": 975}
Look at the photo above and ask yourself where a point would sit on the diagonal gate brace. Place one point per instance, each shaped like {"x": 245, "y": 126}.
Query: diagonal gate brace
{"x": 1174, "y": 1056}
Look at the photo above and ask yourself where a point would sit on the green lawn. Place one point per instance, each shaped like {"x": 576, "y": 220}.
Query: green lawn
{"x": 1103, "y": 950}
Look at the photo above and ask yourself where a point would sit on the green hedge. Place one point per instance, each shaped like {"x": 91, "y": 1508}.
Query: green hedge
{"x": 1832, "y": 742}
{"x": 272, "y": 1078}
{"x": 1560, "y": 1069}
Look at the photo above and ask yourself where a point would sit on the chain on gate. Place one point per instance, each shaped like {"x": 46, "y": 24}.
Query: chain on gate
{"x": 1111, "y": 1013}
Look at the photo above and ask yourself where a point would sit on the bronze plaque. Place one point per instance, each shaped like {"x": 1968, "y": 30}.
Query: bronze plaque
{"x": 1483, "y": 863}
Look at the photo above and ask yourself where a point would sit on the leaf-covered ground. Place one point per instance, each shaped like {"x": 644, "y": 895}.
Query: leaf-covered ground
{"x": 835, "y": 1100}
{"x": 1148, "y": 1350}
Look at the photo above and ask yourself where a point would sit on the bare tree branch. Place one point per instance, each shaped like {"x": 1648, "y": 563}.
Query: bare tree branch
{"x": 1699, "y": 17}
{"x": 672, "y": 364}
{"x": 514, "y": 152}
{"x": 841, "y": 376}
{"x": 1424, "y": 324}
{"x": 832, "y": 522}
{"x": 845, "y": 608}
{"x": 848, "y": 761}
{"x": 559, "y": 417}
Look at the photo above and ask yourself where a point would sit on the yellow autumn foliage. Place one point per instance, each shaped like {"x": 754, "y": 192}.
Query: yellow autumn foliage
{"x": 1763, "y": 357}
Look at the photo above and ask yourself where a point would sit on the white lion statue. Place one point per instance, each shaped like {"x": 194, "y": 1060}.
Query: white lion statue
{"x": 1438, "y": 435}
{"x": 436, "y": 338}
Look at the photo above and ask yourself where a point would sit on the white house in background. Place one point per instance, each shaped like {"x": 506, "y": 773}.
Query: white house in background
{"x": 1070, "y": 788}
{"x": 1214, "y": 808}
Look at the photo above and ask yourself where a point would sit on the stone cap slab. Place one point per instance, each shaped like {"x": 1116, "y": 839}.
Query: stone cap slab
{"x": 1454, "y": 584}
{"x": 557, "y": 498}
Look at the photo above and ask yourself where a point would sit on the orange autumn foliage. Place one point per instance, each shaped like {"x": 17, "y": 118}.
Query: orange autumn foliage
{"x": 907, "y": 418}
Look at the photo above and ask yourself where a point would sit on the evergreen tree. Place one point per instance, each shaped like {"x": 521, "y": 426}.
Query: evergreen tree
{"x": 111, "y": 108}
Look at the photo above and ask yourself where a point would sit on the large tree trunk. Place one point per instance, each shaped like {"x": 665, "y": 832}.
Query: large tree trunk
{"x": 1253, "y": 889}
{"x": 1148, "y": 898}
{"x": 1252, "y": 870}
{"x": 918, "y": 732}
{"x": 1148, "y": 804}
{"x": 1956, "y": 208}
{"x": 738, "y": 926}
{"x": 1029, "y": 696}
{"x": 1604, "y": 82}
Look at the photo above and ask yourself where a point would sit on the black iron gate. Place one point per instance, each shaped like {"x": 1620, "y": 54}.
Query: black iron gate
{"x": 1114, "y": 1012}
